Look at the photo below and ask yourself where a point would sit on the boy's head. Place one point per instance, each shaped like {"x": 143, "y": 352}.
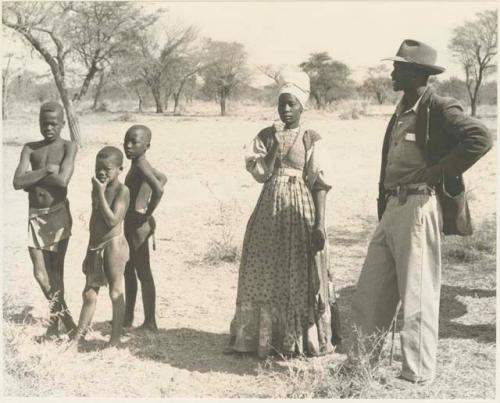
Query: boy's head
{"x": 51, "y": 120}
{"x": 137, "y": 141}
{"x": 108, "y": 164}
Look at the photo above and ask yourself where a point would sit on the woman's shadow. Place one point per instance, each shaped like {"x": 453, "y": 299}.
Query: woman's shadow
{"x": 185, "y": 348}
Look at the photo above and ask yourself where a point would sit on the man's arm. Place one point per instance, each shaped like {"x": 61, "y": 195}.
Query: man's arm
{"x": 473, "y": 141}
{"x": 24, "y": 179}
{"x": 66, "y": 170}
{"x": 156, "y": 186}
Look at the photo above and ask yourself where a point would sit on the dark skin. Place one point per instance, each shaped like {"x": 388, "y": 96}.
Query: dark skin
{"x": 52, "y": 162}
{"x": 413, "y": 82}
{"x": 110, "y": 200}
{"x": 146, "y": 190}
{"x": 290, "y": 110}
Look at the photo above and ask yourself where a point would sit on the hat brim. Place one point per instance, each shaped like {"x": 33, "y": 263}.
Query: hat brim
{"x": 431, "y": 69}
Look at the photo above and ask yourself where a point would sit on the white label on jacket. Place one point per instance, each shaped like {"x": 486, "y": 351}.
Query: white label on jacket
{"x": 410, "y": 137}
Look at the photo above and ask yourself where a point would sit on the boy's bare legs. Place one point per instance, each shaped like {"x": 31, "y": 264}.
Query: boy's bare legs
{"x": 48, "y": 269}
{"x": 89, "y": 297}
{"x": 114, "y": 266}
{"x": 130, "y": 291}
{"x": 148, "y": 288}
{"x": 58, "y": 280}
{"x": 139, "y": 263}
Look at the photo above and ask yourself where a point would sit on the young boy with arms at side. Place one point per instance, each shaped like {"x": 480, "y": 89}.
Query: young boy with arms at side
{"x": 44, "y": 171}
{"x": 146, "y": 189}
{"x": 107, "y": 252}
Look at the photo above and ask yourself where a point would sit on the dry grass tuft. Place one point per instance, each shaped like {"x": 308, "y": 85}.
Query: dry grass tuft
{"x": 223, "y": 247}
{"x": 479, "y": 246}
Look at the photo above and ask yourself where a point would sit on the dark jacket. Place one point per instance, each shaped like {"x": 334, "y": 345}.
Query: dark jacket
{"x": 445, "y": 135}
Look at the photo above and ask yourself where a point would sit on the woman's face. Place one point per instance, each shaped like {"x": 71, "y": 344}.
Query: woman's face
{"x": 289, "y": 109}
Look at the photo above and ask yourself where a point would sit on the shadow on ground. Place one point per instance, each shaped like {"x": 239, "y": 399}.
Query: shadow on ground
{"x": 450, "y": 310}
{"x": 190, "y": 349}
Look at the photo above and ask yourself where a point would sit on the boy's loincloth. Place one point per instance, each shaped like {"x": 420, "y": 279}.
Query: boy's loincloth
{"x": 48, "y": 226}
{"x": 93, "y": 264}
{"x": 133, "y": 221}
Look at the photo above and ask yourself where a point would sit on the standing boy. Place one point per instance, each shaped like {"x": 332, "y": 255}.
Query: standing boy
{"x": 52, "y": 162}
{"x": 146, "y": 189}
{"x": 107, "y": 252}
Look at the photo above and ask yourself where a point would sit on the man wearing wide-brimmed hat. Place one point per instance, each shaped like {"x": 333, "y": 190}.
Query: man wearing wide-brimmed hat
{"x": 428, "y": 144}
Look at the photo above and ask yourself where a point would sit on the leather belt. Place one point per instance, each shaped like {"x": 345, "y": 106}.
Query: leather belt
{"x": 403, "y": 191}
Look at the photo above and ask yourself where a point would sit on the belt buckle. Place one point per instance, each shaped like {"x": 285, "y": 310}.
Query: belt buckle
{"x": 402, "y": 192}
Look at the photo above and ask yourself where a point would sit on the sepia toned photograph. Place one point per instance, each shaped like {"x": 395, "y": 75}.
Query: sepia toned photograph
{"x": 249, "y": 200}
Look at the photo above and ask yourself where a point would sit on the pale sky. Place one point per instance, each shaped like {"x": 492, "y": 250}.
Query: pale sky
{"x": 357, "y": 33}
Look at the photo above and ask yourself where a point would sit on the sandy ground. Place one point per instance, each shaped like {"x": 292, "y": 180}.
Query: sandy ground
{"x": 203, "y": 159}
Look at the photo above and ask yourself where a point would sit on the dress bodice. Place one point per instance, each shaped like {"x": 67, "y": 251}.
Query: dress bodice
{"x": 291, "y": 152}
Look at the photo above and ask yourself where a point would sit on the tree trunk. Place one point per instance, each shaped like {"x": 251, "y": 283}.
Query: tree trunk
{"x": 74, "y": 128}
{"x": 4, "y": 97}
{"x": 86, "y": 83}
{"x": 473, "y": 107}
{"x": 176, "y": 103}
{"x": 223, "y": 103}
{"x": 5, "y": 85}
{"x": 177, "y": 96}
{"x": 157, "y": 97}
{"x": 98, "y": 91}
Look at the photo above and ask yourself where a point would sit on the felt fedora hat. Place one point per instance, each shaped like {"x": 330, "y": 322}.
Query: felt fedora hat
{"x": 418, "y": 54}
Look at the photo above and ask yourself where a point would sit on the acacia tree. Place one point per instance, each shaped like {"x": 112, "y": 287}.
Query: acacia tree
{"x": 185, "y": 70}
{"x": 329, "y": 78}
{"x": 151, "y": 62}
{"x": 474, "y": 45}
{"x": 378, "y": 83}
{"x": 225, "y": 69}
{"x": 65, "y": 32}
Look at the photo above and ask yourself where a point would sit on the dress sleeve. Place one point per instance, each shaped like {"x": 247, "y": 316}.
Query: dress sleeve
{"x": 318, "y": 168}
{"x": 254, "y": 160}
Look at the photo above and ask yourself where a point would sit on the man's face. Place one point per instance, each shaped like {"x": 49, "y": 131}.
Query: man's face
{"x": 289, "y": 109}
{"x": 51, "y": 124}
{"x": 403, "y": 76}
{"x": 135, "y": 144}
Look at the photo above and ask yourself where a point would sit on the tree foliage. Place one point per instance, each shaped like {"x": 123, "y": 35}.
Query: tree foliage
{"x": 83, "y": 35}
{"x": 378, "y": 84}
{"x": 474, "y": 45}
{"x": 224, "y": 69}
{"x": 330, "y": 79}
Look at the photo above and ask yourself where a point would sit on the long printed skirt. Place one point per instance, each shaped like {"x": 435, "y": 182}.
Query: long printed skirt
{"x": 282, "y": 303}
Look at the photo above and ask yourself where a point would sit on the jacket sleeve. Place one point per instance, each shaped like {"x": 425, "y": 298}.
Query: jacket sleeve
{"x": 254, "y": 160}
{"x": 472, "y": 139}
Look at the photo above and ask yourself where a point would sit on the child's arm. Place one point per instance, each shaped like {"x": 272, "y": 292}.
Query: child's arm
{"x": 23, "y": 178}
{"x": 61, "y": 179}
{"x": 156, "y": 186}
{"x": 111, "y": 216}
{"x": 160, "y": 176}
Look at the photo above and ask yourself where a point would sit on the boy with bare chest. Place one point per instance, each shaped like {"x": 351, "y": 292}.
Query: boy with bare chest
{"x": 107, "y": 252}
{"x": 146, "y": 189}
{"x": 52, "y": 163}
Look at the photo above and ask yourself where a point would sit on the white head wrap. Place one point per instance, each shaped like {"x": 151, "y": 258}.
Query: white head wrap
{"x": 295, "y": 82}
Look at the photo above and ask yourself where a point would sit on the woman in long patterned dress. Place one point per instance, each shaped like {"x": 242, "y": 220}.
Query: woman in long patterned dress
{"x": 283, "y": 299}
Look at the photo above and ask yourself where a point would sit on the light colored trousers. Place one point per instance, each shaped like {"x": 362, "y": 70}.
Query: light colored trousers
{"x": 404, "y": 263}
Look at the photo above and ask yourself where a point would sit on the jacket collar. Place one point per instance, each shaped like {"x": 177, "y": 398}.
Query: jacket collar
{"x": 416, "y": 106}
